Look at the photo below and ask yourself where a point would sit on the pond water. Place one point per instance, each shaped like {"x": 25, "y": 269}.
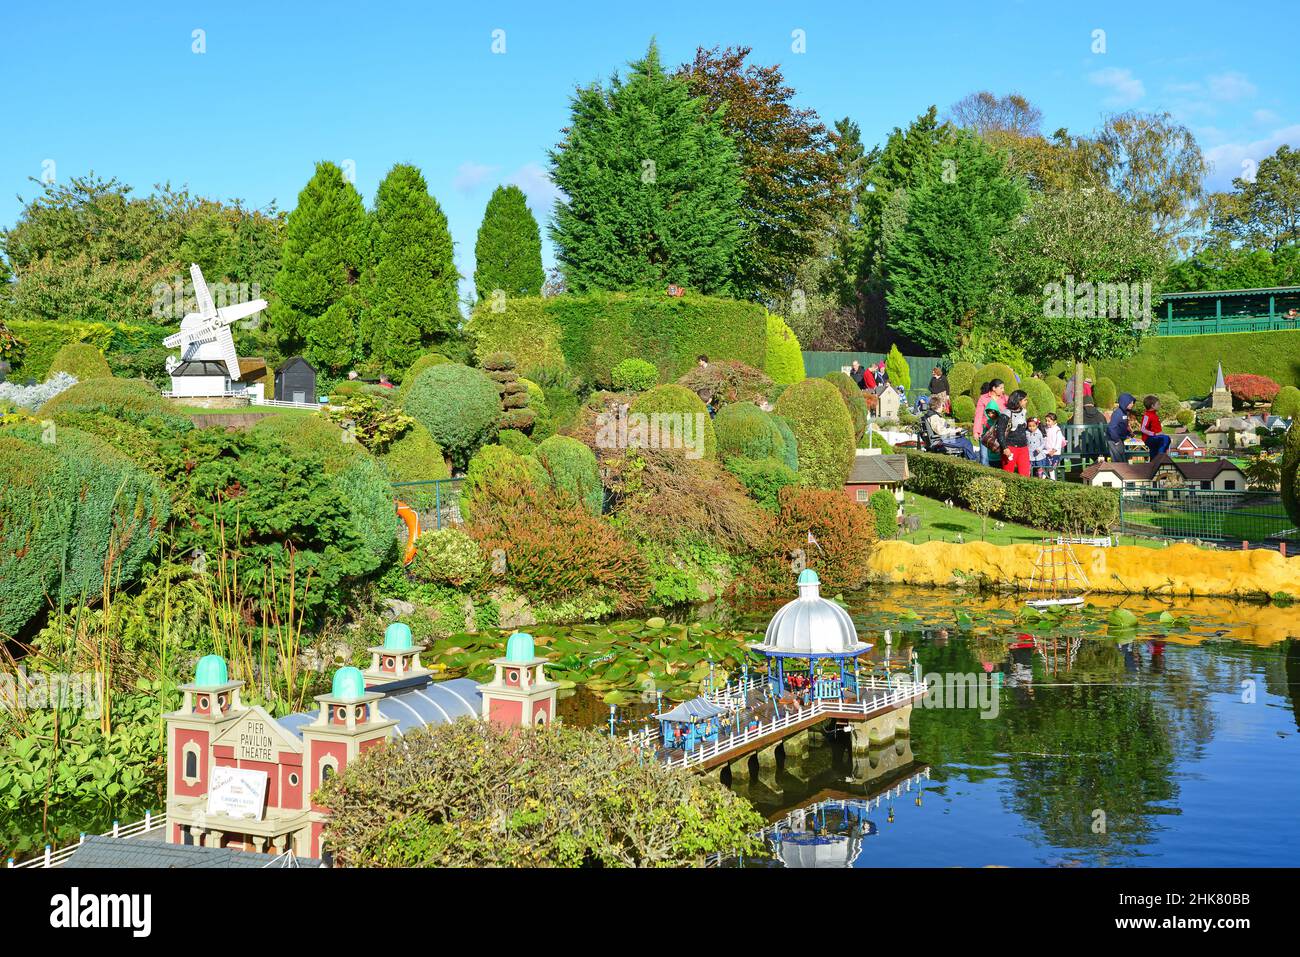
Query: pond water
{"x": 1169, "y": 743}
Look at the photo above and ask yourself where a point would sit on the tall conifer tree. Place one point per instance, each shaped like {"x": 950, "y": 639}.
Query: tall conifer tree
{"x": 410, "y": 288}
{"x": 652, "y": 185}
{"x": 508, "y": 254}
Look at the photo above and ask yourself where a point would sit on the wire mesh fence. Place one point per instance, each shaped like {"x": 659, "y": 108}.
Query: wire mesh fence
{"x": 1233, "y": 518}
{"x": 436, "y": 501}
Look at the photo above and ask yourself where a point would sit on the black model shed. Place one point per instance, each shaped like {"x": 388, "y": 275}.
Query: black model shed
{"x": 295, "y": 381}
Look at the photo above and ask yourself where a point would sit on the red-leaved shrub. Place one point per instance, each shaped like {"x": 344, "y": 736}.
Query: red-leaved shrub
{"x": 843, "y": 534}
{"x": 1251, "y": 388}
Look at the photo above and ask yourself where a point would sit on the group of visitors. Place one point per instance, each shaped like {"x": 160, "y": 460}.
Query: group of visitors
{"x": 869, "y": 377}
{"x": 1124, "y": 423}
{"x": 1022, "y": 443}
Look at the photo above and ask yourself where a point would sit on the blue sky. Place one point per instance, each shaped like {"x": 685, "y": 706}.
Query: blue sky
{"x": 118, "y": 88}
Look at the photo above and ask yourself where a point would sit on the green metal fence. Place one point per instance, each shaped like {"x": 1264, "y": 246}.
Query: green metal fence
{"x": 819, "y": 363}
{"x": 436, "y": 501}
{"x": 1256, "y": 518}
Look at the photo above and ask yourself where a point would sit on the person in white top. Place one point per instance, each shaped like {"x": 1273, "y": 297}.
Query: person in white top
{"x": 1053, "y": 445}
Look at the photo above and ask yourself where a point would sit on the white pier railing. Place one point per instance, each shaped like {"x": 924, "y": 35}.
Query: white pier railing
{"x": 53, "y": 858}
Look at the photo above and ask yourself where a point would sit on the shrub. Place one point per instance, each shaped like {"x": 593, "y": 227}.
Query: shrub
{"x": 459, "y": 406}
{"x": 415, "y": 457}
{"x": 1251, "y": 389}
{"x": 691, "y": 418}
{"x": 896, "y": 366}
{"x": 522, "y": 326}
{"x": 961, "y": 378}
{"x": 117, "y": 395}
{"x": 845, "y": 532}
{"x": 1287, "y": 402}
{"x": 1186, "y": 364}
{"x": 426, "y": 361}
{"x": 45, "y": 338}
{"x": 984, "y": 494}
{"x": 498, "y": 362}
{"x": 1029, "y": 501}
{"x": 1104, "y": 394}
{"x": 370, "y": 507}
{"x": 1291, "y": 471}
{"x": 516, "y": 441}
{"x": 495, "y": 477}
{"x": 570, "y": 797}
{"x": 743, "y": 429}
{"x": 763, "y": 479}
{"x": 963, "y": 408}
{"x": 885, "y": 506}
{"x": 1185, "y": 417}
{"x": 790, "y": 449}
{"x": 991, "y": 371}
{"x": 784, "y": 360}
{"x": 726, "y": 380}
{"x": 556, "y": 552}
{"x": 448, "y": 556}
{"x": 543, "y": 421}
{"x": 823, "y": 431}
{"x": 81, "y": 360}
{"x": 570, "y": 469}
{"x": 635, "y": 375}
{"x": 1041, "y": 401}
{"x": 313, "y": 435}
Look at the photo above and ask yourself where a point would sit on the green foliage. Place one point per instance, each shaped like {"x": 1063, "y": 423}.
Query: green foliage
{"x": 459, "y": 406}
{"x": 1287, "y": 402}
{"x": 516, "y": 441}
{"x": 984, "y": 495}
{"x": 322, "y": 259}
{"x": 453, "y": 796}
{"x": 332, "y": 336}
{"x": 790, "y": 445}
{"x": 961, "y": 378}
{"x": 1104, "y": 394}
{"x": 784, "y": 361}
{"x": 942, "y": 265}
{"x": 763, "y": 479}
{"x": 897, "y": 368}
{"x": 370, "y": 505}
{"x": 635, "y": 375}
{"x": 543, "y": 422}
{"x": 745, "y": 430}
{"x": 418, "y": 366}
{"x": 119, "y": 395}
{"x": 508, "y": 253}
{"x": 885, "y": 506}
{"x": 570, "y": 469}
{"x": 1186, "y": 364}
{"x": 1039, "y": 395}
{"x": 410, "y": 286}
{"x": 823, "y": 430}
{"x": 653, "y": 188}
{"x": 1291, "y": 471}
{"x": 372, "y": 422}
{"x": 871, "y": 439}
{"x": 313, "y": 435}
{"x": 448, "y": 556}
{"x": 963, "y": 408}
{"x": 1037, "y": 503}
{"x": 526, "y": 327}
{"x": 496, "y": 476}
{"x": 690, "y": 416}
{"x": 82, "y": 360}
{"x": 414, "y": 457}
{"x": 991, "y": 371}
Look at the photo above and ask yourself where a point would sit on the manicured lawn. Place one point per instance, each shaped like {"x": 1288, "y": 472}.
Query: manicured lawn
{"x": 939, "y": 523}
{"x": 252, "y": 409}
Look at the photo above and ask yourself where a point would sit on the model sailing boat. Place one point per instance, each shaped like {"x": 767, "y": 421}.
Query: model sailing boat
{"x": 1057, "y": 578}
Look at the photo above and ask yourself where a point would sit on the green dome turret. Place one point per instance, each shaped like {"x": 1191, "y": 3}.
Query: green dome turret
{"x": 349, "y": 684}
{"x": 211, "y": 671}
{"x": 809, "y": 577}
{"x": 397, "y": 637}
{"x": 520, "y": 648}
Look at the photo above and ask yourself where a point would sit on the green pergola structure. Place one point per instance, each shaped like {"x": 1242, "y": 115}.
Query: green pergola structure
{"x": 1229, "y": 310}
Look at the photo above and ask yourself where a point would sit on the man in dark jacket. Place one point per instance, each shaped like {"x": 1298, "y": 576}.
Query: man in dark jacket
{"x": 858, "y": 374}
{"x": 1117, "y": 431}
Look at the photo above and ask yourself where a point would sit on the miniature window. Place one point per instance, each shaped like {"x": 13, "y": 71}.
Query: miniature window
{"x": 190, "y": 772}
{"x": 293, "y": 779}
{"x": 329, "y": 766}
{"x": 512, "y": 676}
{"x": 1229, "y": 484}
{"x": 862, "y": 495}
{"x": 203, "y": 702}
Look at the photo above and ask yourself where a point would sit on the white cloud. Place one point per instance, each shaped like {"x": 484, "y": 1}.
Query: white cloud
{"x": 1237, "y": 159}
{"x": 470, "y": 176}
{"x": 1265, "y": 117}
{"x": 536, "y": 183}
{"x": 1230, "y": 86}
{"x": 1124, "y": 87}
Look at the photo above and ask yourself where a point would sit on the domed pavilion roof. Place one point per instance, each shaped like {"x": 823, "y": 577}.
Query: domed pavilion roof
{"x": 811, "y": 626}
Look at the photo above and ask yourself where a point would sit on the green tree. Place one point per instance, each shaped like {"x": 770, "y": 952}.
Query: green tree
{"x": 1056, "y": 264}
{"x": 788, "y": 166}
{"x": 411, "y": 283}
{"x": 508, "y": 254}
{"x": 322, "y": 257}
{"x": 1264, "y": 212}
{"x": 652, "y": 186}
{"x": 942, "y": 266}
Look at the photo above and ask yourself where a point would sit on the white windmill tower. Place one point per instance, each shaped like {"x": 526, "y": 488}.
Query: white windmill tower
{"x": 208, "y": 365}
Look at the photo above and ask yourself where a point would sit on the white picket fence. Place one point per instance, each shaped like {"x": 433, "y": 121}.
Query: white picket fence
{"x": 53, "y": 858}
{"x": 282, "y": 404}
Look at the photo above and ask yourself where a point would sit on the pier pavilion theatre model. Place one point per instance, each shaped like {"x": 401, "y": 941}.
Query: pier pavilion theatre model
{"x": 810, "y": 645}
{"x": 208, "y": 366}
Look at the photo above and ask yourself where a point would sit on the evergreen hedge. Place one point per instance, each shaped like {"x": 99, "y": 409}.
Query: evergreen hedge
{"x": 823, "y": 430}
{"x": 746, "y": 431}
{"x": 1186, "y": 364}
{"x": 82, "y": 361}
{"x": 114, "y": 340}
{"x": 1037, "y": 503}
{"x": 571, "y": 469}
{"x": 784, "y": 363}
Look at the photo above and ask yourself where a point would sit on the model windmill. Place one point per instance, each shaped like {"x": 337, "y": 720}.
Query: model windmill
{"x": 1058, "y": 579}
{"x": 208, "y": 365}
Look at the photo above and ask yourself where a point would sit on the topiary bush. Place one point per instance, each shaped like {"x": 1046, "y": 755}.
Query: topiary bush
{"x": 634, "y": 375}
{"x": 1040, "y": 398}
{"x": 133, "y": 395}
{"x": 516, "y": 442}
{"x": 763, "y": 479}
{"x": 496, "y": 477}
{"x": 961, "y": 378}
{"x": 885, "y": 506}
{"x": 1185, "y": 417}
{"x": 459, "y": 406}
{"x": 688, "y": 424}
{"x": 448, "y": 556}
{"x": 313, "y": 435}
{"x": 745, "y": 430}
{"x": 1104, "y": 394}
{"x": 790, "y": 451}
{"x": 544, "y": 425}
{"x": 1287, "y": 402}
{"x": 414, "y": 457}
{"x": 823, "y": 430}
{"x": 81, "y": 360}
{"x": 963, "y": 408}
{"x": 1291, "y": 471}
{"x": 845, "y": 532}
{"x": 900, "y": 374}
{"x": 991, "y": 371}
{"x": 570, "y": 469}
{"x": 426, "y": 361}
{"x": 784, "y": 363}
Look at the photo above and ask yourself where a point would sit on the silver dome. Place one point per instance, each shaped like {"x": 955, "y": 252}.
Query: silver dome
{"x": 811, "y": 625}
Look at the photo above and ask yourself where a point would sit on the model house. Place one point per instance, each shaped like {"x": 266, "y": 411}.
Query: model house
{"x": 873, "y": 471}
{"x": 1217, "y": 475}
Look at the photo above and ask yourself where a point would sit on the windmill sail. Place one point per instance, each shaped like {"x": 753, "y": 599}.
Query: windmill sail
{"x": 205, "y": 335}
{"x": 201, "y": 294}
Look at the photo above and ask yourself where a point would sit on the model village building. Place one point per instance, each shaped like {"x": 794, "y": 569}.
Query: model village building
{"x": 241, "y": 779}
{"x": 1218, "y": 475}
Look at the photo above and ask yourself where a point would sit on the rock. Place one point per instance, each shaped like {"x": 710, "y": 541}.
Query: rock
{"x": 396, "y": 608}
{"x": 515, "y": 613}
